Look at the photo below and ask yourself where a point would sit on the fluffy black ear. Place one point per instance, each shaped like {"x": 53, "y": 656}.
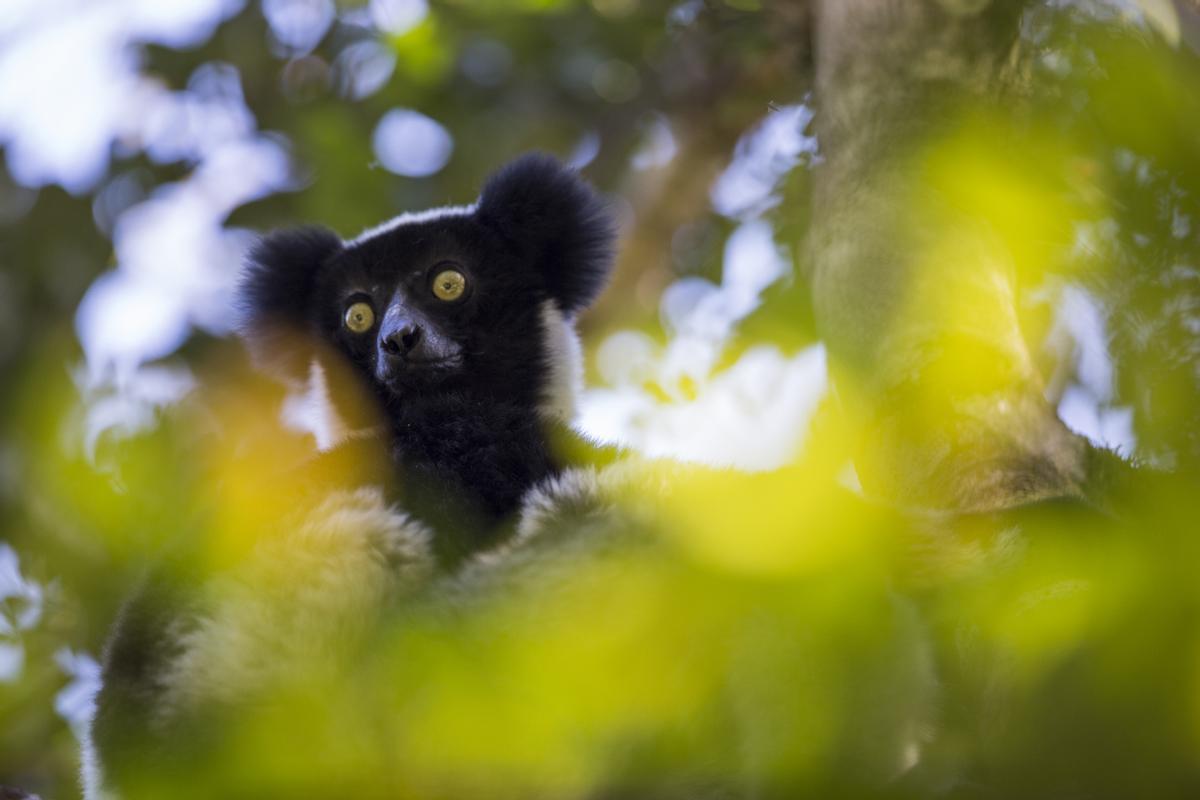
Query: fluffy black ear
{"x": 274, "y": 297}
{"x": 557, "y": 221}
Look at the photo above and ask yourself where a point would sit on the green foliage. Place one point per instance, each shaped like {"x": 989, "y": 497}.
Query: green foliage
{"x": 767, "y": 633}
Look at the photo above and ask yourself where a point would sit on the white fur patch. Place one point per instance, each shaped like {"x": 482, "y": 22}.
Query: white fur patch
{"x": 565, "y": 356}
{"x": 313, "y": 411}
{"x": 574, "y": 488}
{"x": 625, "y": 495}
{"x": 298, "y": 603}
{"x": 412, "y": 218}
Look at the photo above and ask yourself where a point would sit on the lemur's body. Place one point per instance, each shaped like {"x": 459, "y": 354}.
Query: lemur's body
{"x": 458, "y": 322}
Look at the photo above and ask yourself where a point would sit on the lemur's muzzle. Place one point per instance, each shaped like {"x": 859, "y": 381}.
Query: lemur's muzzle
{"x": 403, "y": 338}
{"x": 409, "y": 343}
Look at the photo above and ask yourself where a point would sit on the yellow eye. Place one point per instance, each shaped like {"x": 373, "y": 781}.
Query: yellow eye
{"x": 449, "y": 285}
{"x": 359, "y": 318}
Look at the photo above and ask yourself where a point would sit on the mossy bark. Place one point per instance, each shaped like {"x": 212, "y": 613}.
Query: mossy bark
{"x": 915, "y": 299}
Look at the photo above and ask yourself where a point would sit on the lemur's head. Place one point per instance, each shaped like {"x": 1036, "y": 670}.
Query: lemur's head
{"x": 476, "y": 299}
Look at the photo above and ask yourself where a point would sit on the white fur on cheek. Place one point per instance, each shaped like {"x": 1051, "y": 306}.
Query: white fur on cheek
{"x": 313, "y": 412}
{"x": 564, "y": 355}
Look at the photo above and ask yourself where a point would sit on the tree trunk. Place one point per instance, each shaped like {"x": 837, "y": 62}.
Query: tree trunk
{"x": 914, "y": 299}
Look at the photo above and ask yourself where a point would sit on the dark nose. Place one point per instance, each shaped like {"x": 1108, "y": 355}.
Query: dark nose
{"x": 401, "y": 340}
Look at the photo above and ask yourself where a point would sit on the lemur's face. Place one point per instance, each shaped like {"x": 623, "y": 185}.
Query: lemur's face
{"x": 439, "y": 304}
{"x": 476, "y": 299}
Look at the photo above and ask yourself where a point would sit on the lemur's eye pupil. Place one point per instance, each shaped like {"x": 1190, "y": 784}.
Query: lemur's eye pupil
{"x": 449, "y": 284}
{"x": 359, "y": 318}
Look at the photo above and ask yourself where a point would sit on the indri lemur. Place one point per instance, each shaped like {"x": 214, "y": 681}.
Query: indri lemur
{"x": 458, "y": 323}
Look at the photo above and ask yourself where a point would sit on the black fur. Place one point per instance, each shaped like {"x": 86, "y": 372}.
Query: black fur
{"x": 465, "y": 432}
{"x": 556, "y": 223}
{"x": 275, "y": 294}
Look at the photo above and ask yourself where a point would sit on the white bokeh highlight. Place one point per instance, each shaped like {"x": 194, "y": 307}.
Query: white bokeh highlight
{"x": 177, "y": 263}
{"x": 673, "y": 400}
{"x": 753, "y": 416}
{"x": 22, "y": 603}
{"x": 76, "y": 702}
{"x": 749, "y": 186}
{"x": 411, "y": 144}
{"x": 397, "y": 17}
{"x": 363, "y": 68}
{"x": 70, "y": 84}
{"x": 298, "y": 25}
{"x": 1086, "y": 406}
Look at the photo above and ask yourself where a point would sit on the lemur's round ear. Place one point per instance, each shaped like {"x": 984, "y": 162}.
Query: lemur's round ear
{"x": 557, "y": 221}
{"x": 274, "y": 298}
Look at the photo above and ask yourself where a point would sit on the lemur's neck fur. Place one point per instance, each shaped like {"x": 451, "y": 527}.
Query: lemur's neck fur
{"x": 463, "y": 464}
{"x": 490, "y": 453}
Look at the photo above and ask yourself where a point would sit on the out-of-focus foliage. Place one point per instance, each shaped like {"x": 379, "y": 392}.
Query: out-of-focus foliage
{"x": 771, "y": 631}
{"x": 1127, "y": 116}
